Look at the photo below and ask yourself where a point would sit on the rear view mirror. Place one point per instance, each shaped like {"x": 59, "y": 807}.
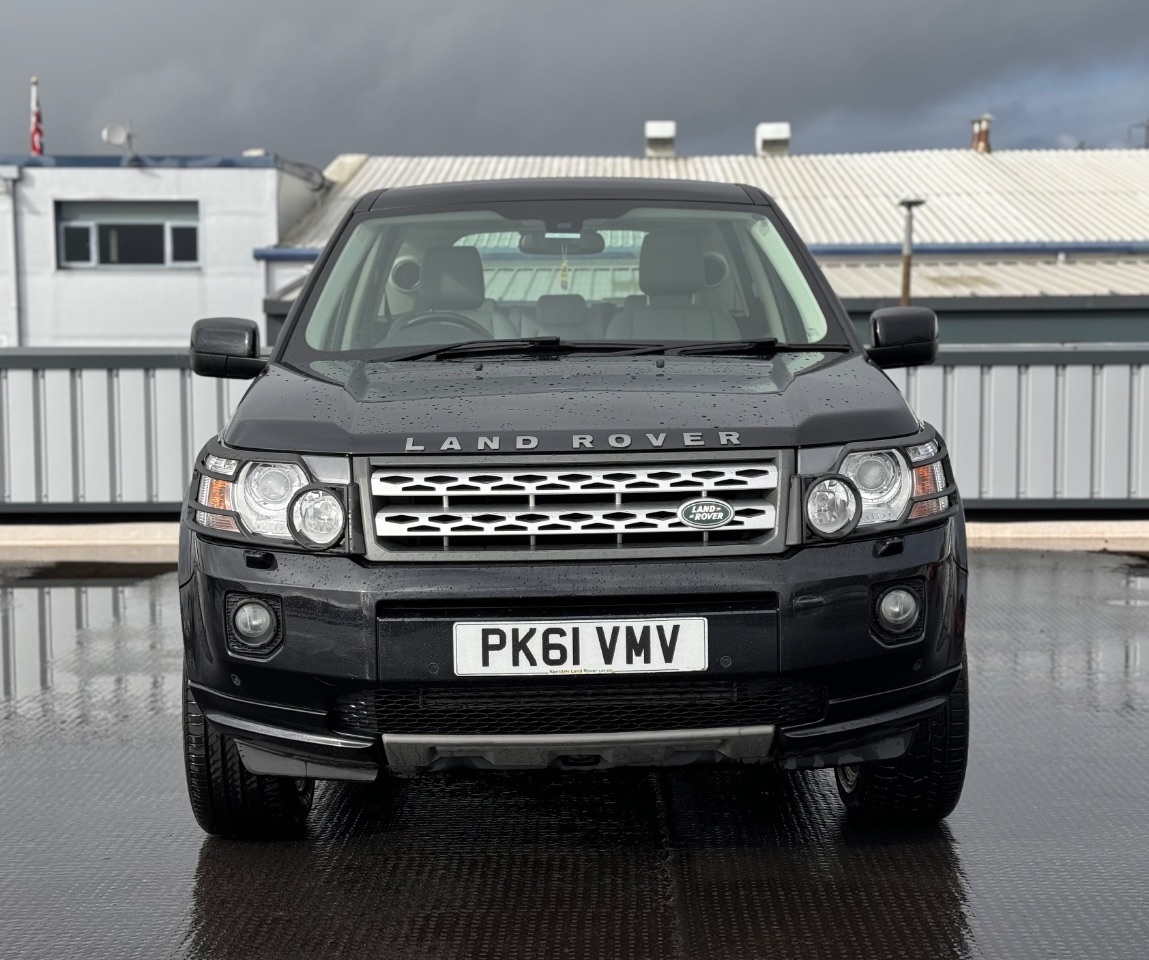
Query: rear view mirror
{"x": 903, "y": 337}
{"x": 226, "y": 347}
{"x": 562, "y": 244}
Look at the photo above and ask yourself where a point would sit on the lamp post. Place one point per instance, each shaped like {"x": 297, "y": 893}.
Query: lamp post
{"x": 908, "y": 204}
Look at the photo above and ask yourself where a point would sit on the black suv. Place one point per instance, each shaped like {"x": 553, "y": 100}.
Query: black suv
{"x": 570, "y": 474}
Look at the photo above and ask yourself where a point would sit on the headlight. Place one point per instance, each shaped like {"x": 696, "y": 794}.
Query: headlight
{"x": 884, "y": 482}
{"x": 831, "y": 507}
{"x": 262, "y": 495}
{"x": 317, "y": 518}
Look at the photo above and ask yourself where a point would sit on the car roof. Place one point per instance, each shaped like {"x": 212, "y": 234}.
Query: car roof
{"x": 567, "y": 188}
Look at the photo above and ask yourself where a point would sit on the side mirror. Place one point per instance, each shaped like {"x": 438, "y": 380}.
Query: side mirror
{"x": 903, "y": 337}
{"x": 226, "y": 347}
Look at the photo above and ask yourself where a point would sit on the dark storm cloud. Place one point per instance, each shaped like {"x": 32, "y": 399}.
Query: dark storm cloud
{"x": 510, "y": 76}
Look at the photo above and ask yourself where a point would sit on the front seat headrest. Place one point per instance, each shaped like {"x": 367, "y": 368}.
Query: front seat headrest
{"x": 452, "y": 279}
{"x": 671, "y": 264}
{"x": 558, "y": 310}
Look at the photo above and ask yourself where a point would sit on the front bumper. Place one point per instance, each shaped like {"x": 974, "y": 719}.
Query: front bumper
{"x": 804, "y": 616}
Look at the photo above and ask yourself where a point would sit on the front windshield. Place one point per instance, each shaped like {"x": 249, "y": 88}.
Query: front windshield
{"x": 585, "y": 272}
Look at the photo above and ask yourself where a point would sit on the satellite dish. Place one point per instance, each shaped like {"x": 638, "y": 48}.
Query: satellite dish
{"x": 116, "y": 134}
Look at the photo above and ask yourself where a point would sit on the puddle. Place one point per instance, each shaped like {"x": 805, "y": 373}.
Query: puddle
{"x": 85, "y": 625}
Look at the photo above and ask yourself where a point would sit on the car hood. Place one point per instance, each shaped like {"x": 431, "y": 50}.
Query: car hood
{"x": 571, "y": 403}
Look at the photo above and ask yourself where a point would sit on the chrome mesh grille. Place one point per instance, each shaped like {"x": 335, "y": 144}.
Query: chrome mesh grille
{"x": 567, "y": 506}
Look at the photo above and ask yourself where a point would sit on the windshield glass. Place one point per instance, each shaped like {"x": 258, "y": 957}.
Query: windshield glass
{"x": 585, "y": 272}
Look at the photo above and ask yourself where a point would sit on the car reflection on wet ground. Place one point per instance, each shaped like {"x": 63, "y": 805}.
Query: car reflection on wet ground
{"x": 1044, "y": 857}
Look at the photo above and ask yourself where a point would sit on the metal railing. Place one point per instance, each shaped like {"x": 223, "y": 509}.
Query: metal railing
{"x": 107, "y": 431}
{"x": 103, "y": 430}
{"x": 1040, "y": 426}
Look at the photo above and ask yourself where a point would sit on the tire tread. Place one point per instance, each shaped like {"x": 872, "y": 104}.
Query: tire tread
{"x": 226, "y": 798}
{"x": 925, "y": 784}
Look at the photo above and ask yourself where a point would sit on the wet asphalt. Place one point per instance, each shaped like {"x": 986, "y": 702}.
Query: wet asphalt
{"x": 1047, "y": 855}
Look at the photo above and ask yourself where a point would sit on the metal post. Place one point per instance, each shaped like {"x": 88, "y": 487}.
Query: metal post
{"x": 76, "y": 388}
{"x": 908, "y": 204}
{"x": 39, "y": 435}
{"x": 5, "y": 426}
{"x": 151, "y": 468}
{"x": 115, "y": 492}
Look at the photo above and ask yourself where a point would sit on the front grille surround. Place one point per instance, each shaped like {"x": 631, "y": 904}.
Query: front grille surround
{"x": 570, "y": 507}
{"x": 577, "y": 705}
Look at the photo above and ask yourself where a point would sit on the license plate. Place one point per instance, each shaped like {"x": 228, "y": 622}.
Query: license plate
{"x": 548, "y": 647}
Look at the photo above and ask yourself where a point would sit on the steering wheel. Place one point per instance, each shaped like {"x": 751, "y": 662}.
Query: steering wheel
{"x": 443, "y": 316}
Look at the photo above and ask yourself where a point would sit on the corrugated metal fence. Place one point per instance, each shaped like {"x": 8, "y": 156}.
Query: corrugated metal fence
{"x": 1028, "y": 427}
{"x": 1040, "y": 426}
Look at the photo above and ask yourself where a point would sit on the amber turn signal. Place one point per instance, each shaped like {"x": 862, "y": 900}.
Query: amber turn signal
{"x": 928, "y": 479}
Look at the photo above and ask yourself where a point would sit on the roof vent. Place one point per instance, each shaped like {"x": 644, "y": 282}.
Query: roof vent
{"x": 772, "y": 139}
{"x": 660, "y": 136}
{"x": 981, "y": 126}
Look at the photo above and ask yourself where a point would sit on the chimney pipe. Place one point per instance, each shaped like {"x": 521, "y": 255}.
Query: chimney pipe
{"x": 981, "y": 126}
{"x": 660, "y": 137}
{"x": 772, "y": 139}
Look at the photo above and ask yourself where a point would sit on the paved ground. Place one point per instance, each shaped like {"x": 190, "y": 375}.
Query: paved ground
{"x": 1046, "y": 856}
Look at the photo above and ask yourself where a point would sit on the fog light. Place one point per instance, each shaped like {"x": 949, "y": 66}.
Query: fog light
{"x": 317, "y": 518}
{"x": 831, "y": 506}
{"x": 898, "y": 609}
{"x": 254, "y": 623}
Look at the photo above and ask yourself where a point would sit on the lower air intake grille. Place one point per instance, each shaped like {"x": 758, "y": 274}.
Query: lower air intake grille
{"x": 578, "y": 706}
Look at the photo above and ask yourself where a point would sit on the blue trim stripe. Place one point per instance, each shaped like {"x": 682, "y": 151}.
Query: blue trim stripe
{"x": 287, "y": 254}
{"x": 1111, "y": 247}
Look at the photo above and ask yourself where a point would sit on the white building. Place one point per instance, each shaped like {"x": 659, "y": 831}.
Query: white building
{"x": 130, "y": 251}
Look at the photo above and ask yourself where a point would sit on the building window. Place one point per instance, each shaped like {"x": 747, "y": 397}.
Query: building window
{"x": 185, "y": 244}
{"x": 143, "y": 234}
{"x": 76, "y": 243}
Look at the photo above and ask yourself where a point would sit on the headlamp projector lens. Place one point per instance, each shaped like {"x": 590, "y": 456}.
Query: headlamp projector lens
{"x": 877, "y": 475}
{"x": 830, "y": 506}
{"x": 318, "y": 518}
{"x": 898, "y": 609}
{"x": 271, "y": 483}
{"x": 254, "y": 623}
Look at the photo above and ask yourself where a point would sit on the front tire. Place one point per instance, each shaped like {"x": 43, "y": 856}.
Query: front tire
{"x": 226, "y": 799}
{"x": 925, "y": 784}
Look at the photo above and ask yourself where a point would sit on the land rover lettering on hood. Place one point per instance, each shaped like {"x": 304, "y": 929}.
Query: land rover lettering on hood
{"x": 570, "y": 475}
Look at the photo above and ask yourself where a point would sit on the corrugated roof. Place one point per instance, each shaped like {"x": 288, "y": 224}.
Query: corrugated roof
{"x": 1010, "y": 196}
{"x": 863, "y": 280}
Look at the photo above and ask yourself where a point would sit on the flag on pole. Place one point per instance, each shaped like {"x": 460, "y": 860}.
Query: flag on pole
{"x": 37, "y": 126}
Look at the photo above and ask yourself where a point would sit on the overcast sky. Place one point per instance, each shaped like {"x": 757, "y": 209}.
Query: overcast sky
{"x": 312, "y": 79}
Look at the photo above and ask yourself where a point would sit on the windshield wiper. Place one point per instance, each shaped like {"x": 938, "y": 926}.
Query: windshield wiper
{"x": 764, "y": 346}
{"x": 464, "y": 347}
{"x": 525, "y": 345}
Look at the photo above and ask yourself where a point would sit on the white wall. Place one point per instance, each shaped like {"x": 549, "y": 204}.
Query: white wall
{"x": 239, "y": 210}
{"x": 7, "y": 280}
{"x": 280, "y": 273}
